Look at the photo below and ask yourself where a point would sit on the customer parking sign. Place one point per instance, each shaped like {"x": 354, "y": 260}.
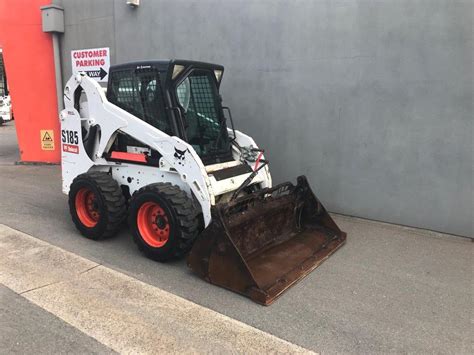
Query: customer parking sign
{"x": 95, "y": 62}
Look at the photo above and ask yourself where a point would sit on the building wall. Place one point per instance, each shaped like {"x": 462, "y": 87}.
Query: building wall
{"x": 28, "y": 56}
{"x": 372, "y": 100}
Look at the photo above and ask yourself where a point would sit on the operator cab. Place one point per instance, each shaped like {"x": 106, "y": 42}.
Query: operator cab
{"x": 180, "y": 98}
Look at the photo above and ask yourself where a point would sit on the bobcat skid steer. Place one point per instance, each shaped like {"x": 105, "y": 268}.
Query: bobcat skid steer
{"x": 156, "y": 147}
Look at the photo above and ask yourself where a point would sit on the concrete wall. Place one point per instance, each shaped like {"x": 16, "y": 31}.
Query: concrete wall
{"x": 371, "y": 99}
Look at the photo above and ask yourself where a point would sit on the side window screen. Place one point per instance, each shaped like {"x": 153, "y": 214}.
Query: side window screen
{"x": 126, "y": 92}
{"x": 139, "y": 92}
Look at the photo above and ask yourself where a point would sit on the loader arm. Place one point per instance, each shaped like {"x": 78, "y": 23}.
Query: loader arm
{"x": 111, "y": 119}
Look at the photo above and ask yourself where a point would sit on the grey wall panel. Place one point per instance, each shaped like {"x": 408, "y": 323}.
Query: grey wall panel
{"x": 88, "y": 24}
{"x": 372, "y": 100}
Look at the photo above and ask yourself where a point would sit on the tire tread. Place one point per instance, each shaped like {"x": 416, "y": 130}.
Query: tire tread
{"x": 186, "y": 211}
{"x": 114, "y": 201}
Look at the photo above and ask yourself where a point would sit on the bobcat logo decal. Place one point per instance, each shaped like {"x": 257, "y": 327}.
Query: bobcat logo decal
{"x": 180, "y": 155}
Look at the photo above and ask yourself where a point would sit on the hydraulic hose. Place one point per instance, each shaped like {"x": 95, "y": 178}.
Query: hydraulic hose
{"x": 249, "y": 179}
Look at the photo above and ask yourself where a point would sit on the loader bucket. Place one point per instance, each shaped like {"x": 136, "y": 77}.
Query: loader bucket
{"x": 261, "y": 244}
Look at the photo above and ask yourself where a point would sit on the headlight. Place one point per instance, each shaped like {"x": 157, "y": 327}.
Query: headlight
{"x": 176, "y": 70}
{"x": 218, "y": 74}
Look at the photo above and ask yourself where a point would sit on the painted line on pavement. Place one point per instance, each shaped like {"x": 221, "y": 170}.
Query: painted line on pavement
{"x": 123, "y": 313}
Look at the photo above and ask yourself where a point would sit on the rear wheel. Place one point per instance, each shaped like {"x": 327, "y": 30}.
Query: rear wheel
{"x": 164, "y": 221}
{"x": 96, "y": 204}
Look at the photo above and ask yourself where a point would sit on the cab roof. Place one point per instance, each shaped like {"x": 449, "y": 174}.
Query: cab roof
{"x": 164, "y": 65}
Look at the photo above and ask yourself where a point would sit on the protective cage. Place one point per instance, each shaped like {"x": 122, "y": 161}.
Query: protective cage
{"x": 261, "y": 244}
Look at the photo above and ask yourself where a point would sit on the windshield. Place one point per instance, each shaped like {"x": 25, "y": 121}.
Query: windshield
{"x": 205, "y": 128}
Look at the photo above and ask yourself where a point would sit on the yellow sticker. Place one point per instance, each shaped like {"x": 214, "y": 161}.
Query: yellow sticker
{"x": 47, "y": 139}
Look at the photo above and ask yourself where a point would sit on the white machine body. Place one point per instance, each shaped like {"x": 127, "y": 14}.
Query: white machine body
{"x": 179, "y": 163}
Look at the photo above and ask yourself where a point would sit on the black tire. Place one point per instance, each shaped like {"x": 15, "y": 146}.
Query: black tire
{"x": 181, "y": 216}
{"x": 1, "y": 121}
{"x": 108, "y": 200}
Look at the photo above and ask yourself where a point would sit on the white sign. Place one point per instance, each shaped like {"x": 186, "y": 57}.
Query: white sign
{"x": 95, "y": 62}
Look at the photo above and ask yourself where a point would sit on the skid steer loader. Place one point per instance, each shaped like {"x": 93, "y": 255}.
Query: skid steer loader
{"x": 156, "y": 146}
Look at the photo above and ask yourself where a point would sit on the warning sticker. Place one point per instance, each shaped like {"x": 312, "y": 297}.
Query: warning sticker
{"x": 47, "y": 139}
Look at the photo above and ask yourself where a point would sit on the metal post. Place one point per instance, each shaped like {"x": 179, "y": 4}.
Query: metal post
{"x": 57, "y": 71}
{"x": 53, "y": 22}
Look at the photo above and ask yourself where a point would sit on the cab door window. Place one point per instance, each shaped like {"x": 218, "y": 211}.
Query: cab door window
{"x": 197, "y": 96}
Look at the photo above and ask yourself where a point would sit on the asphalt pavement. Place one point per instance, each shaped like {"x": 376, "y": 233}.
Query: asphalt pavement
{"x": 389, "y": 289}
{"x": 28, "y": 329}
{"x": 120, "y": 312}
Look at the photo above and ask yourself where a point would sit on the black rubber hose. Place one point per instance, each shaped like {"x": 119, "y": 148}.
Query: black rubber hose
{"x": 248, "y": 180}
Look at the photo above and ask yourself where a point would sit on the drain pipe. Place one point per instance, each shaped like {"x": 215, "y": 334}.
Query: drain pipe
{"x": 57, "y": 72}
{"x": 53, "y": 22}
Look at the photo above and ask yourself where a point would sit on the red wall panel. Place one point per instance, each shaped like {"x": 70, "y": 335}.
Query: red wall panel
{"x": 28, "y": 56}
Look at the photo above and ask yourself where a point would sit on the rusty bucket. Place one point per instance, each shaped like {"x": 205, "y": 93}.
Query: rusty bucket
{"x": 261, "y": 244}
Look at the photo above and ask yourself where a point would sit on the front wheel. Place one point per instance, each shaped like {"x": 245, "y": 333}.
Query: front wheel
{"x": 164, "y": 221}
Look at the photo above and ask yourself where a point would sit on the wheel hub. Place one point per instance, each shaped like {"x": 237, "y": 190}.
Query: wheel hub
{"x": 87, "y": 207}
{"x": 153, "y": 224}
{"x": 161, "y": 222}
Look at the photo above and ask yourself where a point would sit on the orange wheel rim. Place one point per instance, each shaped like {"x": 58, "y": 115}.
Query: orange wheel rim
{"x": 153, "y": 224}
{"x": 86, "y": 207}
